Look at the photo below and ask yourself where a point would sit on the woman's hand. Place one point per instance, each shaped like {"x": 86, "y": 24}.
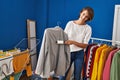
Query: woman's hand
{"x": 69, "y": 42}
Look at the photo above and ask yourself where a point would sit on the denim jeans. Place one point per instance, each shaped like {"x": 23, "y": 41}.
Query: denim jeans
{"x": 76, "y": 57}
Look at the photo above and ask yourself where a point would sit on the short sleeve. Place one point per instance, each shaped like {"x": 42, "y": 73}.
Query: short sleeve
{"x": 67, "y": 28}
{"x": 88, "y": 34}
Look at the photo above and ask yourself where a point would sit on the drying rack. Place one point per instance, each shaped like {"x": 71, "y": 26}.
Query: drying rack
{"x": 23, "y": 45}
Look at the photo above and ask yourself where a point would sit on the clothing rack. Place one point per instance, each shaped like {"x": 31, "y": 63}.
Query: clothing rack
{"x": 24, "y": 42}
{"x": 7, "y": 57}
{"x": 116, "y": 43}
{"x": 101, "y": 58}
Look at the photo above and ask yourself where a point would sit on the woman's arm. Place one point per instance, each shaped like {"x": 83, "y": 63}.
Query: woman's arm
{"x": 70, "y": 42}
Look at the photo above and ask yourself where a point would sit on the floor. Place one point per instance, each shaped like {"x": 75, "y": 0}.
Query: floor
{"x": 35, "y": 77}
{"x": 24, "y": 77}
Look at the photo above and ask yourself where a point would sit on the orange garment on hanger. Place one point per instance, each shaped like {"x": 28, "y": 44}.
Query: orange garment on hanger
{"x": 96, "y": 61}
{"x": 21, "y": 62}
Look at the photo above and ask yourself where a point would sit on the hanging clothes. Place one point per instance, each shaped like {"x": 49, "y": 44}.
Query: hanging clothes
{"x": 6, "y": 67}
{"x": 106, "y": 60}
{"x": 52, "y": 56}
{"x": 96, "y": 62}
{"x": 21, "y": 62}
{"x": 90, "y": 59}
{"x": 115, "y": 67}
{"x": 106, "y": 71}
{"x": 102, "y": 60}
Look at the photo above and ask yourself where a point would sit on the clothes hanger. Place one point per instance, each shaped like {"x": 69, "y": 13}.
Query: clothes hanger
{"x": 58, "y": 25}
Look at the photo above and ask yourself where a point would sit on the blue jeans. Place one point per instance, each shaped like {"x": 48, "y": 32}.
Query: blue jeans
{"x": 78, "y": 58}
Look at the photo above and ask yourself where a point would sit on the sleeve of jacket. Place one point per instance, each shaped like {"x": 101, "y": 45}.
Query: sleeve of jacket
{"x": 42, "y": 54}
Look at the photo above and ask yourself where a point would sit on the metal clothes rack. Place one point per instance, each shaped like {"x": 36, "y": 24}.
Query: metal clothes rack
{"x": 116, "y": 43}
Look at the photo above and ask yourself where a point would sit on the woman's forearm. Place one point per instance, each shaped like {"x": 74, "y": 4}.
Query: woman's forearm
{"x": 82, "y": 45}
{"x": 70, "y": 42}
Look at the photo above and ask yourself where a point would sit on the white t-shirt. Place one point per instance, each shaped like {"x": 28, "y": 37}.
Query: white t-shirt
{"x": 79, "y": 33}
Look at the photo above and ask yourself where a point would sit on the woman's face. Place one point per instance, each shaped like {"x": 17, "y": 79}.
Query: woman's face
{"x": 84, "y": 15}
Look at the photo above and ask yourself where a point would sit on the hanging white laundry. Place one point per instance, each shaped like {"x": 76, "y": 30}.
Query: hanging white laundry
{"x": 6, "y": 66}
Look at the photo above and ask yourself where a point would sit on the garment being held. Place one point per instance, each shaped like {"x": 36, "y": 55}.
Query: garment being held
{"x": 53, "y": 57}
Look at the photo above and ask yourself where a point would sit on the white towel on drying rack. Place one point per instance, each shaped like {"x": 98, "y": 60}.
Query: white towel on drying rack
{"x": 6, "y": 66}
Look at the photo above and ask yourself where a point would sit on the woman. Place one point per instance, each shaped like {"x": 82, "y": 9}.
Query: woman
{"x": 79, "y": 34}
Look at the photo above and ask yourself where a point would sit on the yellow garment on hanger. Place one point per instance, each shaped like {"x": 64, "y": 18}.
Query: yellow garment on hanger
{"x": 96, "y": 61}
{"x": 21, "y": 62}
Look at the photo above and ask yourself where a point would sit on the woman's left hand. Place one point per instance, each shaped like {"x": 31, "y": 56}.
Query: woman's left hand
{"x": 69, "y": 42}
